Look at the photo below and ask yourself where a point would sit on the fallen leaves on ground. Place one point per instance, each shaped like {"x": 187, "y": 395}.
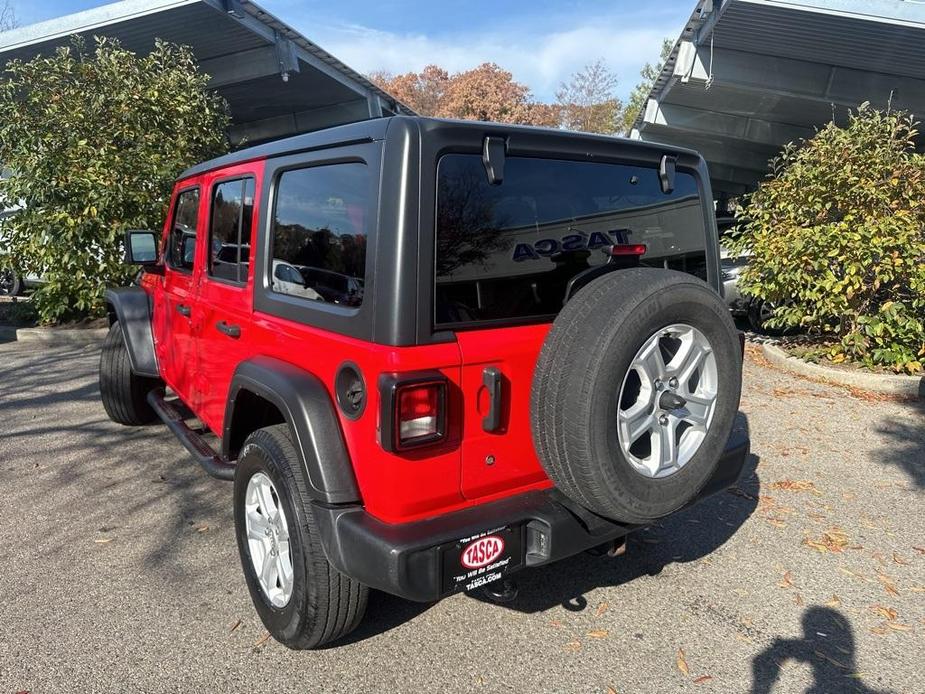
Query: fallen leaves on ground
{"x": 102, "y": 540}
{"x": 833, "y": 540}
{"x": 855, "y": 574}
{"x": 611, "y": 690}
{"x": 235, "y": 626}
{"x": 884, "y": 611}
{"x": 798, "y": 600}
{"x": 262, "y": 640}
{"x": 899, "y": 559}
{"x": 598, "y": 634}
{"x": 601, "y": 609}
{"x": 920, "y": 550}
{"x": 573, "y": 646}
{"x": 796, "y": 486}
{"x": 202, "y": 529}
{"x": 832, "y": 660}
{"x": 786, "y": 581}
{"x": 703, "y": 679}
{"x": 888, "y": 584}
{"x": 682, "y": 663}
{"x": 834, "y": 601}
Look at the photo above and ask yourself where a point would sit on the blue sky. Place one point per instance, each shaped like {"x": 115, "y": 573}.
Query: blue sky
{"x": 541, "y": 41}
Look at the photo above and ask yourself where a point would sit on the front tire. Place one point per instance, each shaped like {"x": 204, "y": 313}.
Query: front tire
{"x": 123, "y": 392}
{"x": 302, "y": 600}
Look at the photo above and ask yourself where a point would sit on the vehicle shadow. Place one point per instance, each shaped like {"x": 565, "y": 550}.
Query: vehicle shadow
{"x": 827, "y": 646}
{"x": 687, "y": 536}
{"x": 906, "y": 437}
{"x": 684, "y": 537}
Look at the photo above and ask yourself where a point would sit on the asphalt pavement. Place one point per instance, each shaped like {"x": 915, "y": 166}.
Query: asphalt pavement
{"x": 120, "y": 573}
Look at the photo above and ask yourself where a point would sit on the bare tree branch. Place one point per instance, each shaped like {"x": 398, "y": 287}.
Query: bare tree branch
{"x": 7, "y": 16}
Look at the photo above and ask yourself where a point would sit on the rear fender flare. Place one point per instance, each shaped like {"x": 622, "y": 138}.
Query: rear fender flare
{"x": 308, "y": 410}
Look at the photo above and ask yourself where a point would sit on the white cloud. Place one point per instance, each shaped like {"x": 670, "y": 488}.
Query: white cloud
{"x": 540, "y": 59}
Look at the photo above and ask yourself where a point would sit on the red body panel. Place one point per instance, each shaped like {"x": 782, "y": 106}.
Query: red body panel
{"x": 198, "y": 361}
{"x": 497, "y": 461}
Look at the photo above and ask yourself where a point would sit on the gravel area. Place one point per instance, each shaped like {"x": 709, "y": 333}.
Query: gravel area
{"x": 120, "y": 572}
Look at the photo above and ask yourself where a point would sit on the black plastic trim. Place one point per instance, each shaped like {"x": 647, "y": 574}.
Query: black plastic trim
{"x": 306, "y": 406}
{"x": 132, "y": 308}
{"x": 347, "y": 372}
{"x": 404, "y": 559}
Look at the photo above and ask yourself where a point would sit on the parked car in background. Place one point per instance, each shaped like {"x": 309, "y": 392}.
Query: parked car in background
{"x": 288, "y": 280}
{"x": 335, "y": 287}
{"x": 756, "y": 311}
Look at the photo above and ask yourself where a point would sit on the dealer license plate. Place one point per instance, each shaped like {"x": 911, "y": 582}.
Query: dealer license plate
{"x": 473, "y": 562}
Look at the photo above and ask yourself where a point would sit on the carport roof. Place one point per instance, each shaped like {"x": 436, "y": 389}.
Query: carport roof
{"x": 276, "y": 81}
{"x": 748, "y": 76}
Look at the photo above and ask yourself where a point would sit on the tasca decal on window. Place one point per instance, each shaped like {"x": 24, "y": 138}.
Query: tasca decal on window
{"x": 576, "y": 241}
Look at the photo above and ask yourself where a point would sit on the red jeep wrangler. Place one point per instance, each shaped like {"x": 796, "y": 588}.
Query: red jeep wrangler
{"x": 430, "y": 354}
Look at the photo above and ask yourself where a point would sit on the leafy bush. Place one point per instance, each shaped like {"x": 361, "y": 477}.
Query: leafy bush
{"x": 93, "y": 141}
{"x": 837, "y": 240}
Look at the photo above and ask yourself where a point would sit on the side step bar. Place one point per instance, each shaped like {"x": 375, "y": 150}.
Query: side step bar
{"x": 201, "y": 451}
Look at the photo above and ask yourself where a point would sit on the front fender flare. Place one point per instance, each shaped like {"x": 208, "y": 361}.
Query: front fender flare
{"x": 307, "y": 408}
{"x": 131, "y": 306}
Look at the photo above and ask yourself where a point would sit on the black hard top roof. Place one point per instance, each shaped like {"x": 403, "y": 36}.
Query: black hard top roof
{"x": 377, "y": 128}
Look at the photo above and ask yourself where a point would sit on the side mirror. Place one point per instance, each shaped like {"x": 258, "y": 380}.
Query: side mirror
{"x": 140, "y": 248}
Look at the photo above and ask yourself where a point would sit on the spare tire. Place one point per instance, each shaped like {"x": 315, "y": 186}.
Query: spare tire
{"x": 635, "y": 393}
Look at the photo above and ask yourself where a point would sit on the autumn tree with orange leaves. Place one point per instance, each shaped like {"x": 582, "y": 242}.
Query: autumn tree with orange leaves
{"x": 486, "y": 92}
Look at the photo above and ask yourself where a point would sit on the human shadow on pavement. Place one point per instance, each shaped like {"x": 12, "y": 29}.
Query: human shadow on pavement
{"x": 827, "y": 646}
{"x": 906, "y": 437}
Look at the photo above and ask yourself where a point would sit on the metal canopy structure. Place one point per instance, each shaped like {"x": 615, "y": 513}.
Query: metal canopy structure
{"x": 276, "y": 81}
{"x": 748, "y": 76}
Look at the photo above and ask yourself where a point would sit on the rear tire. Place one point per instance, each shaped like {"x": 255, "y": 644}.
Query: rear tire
{"x": 123, "y": 392}
{"x": 312, "y": 603}
{"x": 605, "y": 337}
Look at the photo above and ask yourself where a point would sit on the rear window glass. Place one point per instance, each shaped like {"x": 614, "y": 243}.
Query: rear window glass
{"x": 507, "y": 252}
{"x": 319, "y": 233}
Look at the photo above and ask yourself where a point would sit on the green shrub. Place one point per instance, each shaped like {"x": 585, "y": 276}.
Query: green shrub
{"x": 837, "y": 240}
{"x": 94, "y": 140}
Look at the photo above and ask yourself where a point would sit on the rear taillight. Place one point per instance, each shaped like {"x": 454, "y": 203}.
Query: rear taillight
{"x": 413, "y": 411}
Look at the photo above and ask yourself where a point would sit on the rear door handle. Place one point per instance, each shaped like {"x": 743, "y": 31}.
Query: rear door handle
{"x": 183, "y": 310}
{"x": 492, "y": 379}
{"x": 229, "y": 329}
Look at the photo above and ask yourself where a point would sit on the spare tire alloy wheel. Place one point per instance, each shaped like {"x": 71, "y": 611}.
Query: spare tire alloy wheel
{"x": 268, "y": 539}
{"x": 635, "y": 393}
{"x": 667, "y": 400}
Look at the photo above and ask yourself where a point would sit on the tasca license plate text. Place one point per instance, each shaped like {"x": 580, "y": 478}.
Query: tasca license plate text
{"x": 475, "y": 561}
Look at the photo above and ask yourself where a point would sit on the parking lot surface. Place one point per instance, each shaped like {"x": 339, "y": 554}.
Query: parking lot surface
{"x": 120, "y": 572}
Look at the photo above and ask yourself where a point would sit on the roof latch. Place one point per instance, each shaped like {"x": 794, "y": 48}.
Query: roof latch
{"x": 666, "y": 173}
{"x": 493, "y": 156}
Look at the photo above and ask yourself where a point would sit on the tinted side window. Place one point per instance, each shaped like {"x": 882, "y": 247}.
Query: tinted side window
{"x": 507, "y": 252}
{"x": 230, "y": 229}
{"x": 181, "y": 249}
{"x": 319, "y": 229}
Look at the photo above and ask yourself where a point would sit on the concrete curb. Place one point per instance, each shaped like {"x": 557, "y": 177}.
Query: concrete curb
{"x": 908, "y": 387}
{"x": 62, "y": 336}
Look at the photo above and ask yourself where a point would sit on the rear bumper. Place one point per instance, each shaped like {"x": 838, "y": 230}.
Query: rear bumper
{"x": 406, "y": 559}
